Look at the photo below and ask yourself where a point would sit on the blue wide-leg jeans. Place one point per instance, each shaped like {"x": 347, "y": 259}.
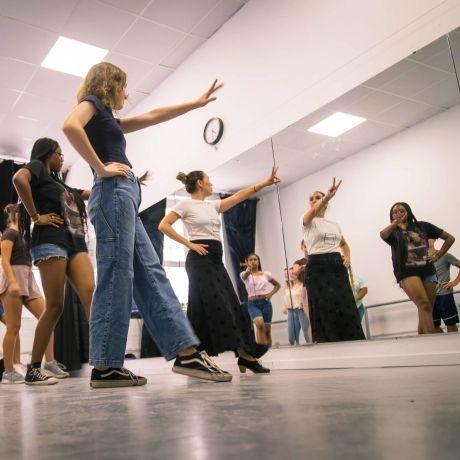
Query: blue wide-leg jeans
{"x": 128, "y": 267}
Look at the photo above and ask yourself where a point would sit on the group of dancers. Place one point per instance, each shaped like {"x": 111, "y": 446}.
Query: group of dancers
{"x": 129, "y": 268}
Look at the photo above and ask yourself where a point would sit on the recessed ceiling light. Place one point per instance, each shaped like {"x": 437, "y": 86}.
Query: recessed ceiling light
{"x": 336, "y": 124}
{"x": 71, "y": 56}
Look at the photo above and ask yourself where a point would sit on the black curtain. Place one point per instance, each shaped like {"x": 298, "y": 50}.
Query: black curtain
{"x": 71, "y": 334}
{"x": 8, "y": 193}
{"x": 151, "y": 218}
{"x": 240, "y": 230}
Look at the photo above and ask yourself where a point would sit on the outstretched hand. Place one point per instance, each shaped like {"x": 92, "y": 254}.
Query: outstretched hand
{"x": 208, "y": 96}
{"x": 333, "y": 189}
{"x": 273, "y": 178}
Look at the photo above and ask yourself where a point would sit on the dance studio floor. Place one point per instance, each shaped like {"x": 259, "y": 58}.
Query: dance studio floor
{"x": 371, "y": 413}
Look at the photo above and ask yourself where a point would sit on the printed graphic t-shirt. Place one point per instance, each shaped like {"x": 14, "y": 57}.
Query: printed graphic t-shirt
{"x": 416, "y": 244}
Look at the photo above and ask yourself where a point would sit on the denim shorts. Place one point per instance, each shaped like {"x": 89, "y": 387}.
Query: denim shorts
{"x": 426, "y": 279}
{"x": 48, "y": 250}
{"x": 260, "y": 308}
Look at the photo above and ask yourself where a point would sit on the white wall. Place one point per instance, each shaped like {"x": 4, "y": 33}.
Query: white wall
{"x": 280, "y": 60}
{"x": 419, "y": 165}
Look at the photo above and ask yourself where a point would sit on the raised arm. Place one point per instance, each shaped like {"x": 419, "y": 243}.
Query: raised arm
{"x": 245, "y": 193}
{"x": 159, "y": 115}
{"x": 321, "y": 204}
{"x": 166, "y": 227}
{"x": 73, "y": 128}
{"x": 387, "y": 231}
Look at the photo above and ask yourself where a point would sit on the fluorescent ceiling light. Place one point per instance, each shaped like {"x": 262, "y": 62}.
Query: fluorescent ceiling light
{"x": 71, "y": 56}
{"x": 336, "y": 124}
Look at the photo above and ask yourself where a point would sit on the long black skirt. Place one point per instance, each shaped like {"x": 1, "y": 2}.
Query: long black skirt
{"x": 214, "y": 310}
{"x": 333, "y": 313}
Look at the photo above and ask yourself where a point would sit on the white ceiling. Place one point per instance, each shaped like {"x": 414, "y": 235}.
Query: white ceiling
{"x": 147, "y": 38}
{"x": 412, "y": 90}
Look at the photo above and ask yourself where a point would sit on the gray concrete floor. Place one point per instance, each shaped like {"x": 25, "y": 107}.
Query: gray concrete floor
{"x": 389, "y": 413}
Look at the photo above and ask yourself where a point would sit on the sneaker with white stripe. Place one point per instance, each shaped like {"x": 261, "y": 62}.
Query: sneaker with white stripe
{"x": 115, "y": 377}
{"x": 201, "y": 366}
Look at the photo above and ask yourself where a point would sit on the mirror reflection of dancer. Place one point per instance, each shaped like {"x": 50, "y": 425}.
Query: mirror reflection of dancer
{"x": 412, "y": 266}
{"x": 296, "y": 318}
{"x": 213, "y": 306}
{"x": 333, "y": 312}
{"x": 17, "y": 288}
{"x": 260, "y": 286}
{"x": 445, "y": 308}
{"x": 58, "y": 246}
{"x": 127, "y": 264}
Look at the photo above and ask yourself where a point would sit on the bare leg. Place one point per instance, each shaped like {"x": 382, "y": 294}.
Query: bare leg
{"x": 415, "y": 290}
{"x": 53, "y": 274}
{"x": 13, "y": 306}
{"x": 260, "y": 330}
{"x": 37, "y": 308}
{"x": 268, "y": 334}
{"x": 17, "y": 350}
{"x": 81, "y": 276}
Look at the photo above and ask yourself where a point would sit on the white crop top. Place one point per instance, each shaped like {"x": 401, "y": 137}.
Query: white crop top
{"x": 322, "y": 236}
{"x": 201, "y": 218}
{"x": 258, "y": 284}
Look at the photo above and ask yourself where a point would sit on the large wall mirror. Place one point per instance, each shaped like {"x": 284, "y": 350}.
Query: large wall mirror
{"x": 406, "y": 150}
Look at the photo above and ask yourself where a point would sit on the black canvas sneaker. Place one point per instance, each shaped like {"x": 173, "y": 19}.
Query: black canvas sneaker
{"x": 115, "y": 377}
{"x": 37, "y": 376}
{"x": 201, "y": 366}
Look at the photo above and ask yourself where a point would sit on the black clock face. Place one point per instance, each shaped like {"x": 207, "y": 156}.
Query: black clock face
{"x": 213, "y": 131}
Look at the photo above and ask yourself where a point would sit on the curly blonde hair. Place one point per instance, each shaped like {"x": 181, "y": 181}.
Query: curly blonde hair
{"x": 104, "y": 81}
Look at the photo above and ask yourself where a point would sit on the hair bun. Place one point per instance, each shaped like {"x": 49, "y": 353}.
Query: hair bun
{"x": 182, "y": 177}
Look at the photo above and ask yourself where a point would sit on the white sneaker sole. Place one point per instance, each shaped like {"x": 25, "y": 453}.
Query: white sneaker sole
{"x": 203, "y": 375}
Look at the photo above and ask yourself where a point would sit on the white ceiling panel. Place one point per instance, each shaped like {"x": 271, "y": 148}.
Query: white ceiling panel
{"x": 407, "y": 113}
{"x": 54, "y": 85}
{"x": 184, "y": 49}
{"x": 135, "y": 69}
{"x": 41, "y": 108}
{"x": 414, "y": 80}
{"x": 24, "y": 42}
{"x": 177, "y": 14}
{"x": 45, "y": 14}
{"x": 390, "y": 74}
{"x": 370, "y": 132}
{"x": 152, "y": 79}
{"x": 149, "y": 42}
{"x": 442, "y": 94}
{"x": 373, "y": 104}
{"x": 134, "y": 6}
{"x": 348, "y": 98}
{"x": 97, "y": 24}
{"x": 217, "y": 17}
{"x": 8, "y": 98}
{"x": 15, "y": 74}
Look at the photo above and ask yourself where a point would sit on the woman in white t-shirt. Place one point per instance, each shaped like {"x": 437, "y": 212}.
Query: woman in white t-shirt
{"x": 333, "y": 312}
{"x": 260, "y": 286}
{"x": 213, "y": 307}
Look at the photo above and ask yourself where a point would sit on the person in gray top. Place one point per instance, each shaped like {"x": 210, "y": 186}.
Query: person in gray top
{"x": 445, "y": 307}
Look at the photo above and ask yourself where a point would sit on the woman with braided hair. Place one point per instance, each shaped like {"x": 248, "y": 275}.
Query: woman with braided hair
{"x": 58, "y": 245}
{"x": 412, "y": 265}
